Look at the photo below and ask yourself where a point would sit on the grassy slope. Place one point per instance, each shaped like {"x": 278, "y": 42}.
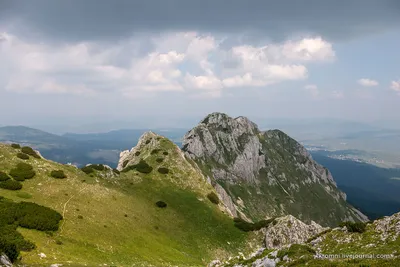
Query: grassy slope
{"x": 121, "y": 224}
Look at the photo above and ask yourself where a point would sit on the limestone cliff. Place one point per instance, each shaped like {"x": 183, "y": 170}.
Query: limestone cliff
{"x": 265, "y": 174}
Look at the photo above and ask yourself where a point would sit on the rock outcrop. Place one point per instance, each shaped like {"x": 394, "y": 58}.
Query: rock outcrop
{"x": 388, "y": 227}
{"x": 265, "y": 174}
{"x": 5, "y": 261}
{"x": 289, "y": 230}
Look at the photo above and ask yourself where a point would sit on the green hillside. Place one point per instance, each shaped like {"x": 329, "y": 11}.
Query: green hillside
{"x": 115, "y": 220}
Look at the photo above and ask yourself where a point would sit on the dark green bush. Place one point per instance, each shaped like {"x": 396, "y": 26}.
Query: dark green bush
{"x": 116, "y": 171}
{"x": 247, "y": 226}
{"x": 22, "y": 156}
{"x": 27, "y": 215}
{"x": 125, "y": 163}
{"x": 59, "y": 174}
{"x": 80, "y": 217}
{"x": 142, "y": 167}
{"x": 155, "y": 151}
{"x": 148, "y": 141}
{"x": 11, "y": 185}
{"x": 22, "y": 171}
{"x": 99, "y": 167}
{"x": 28, "y": 150}
{"x": 159, "y": 160}
{"x": 8, "y": 233}
{"x": 137, "y": 153}
{"x": 354, "y": 227}
{"x": 163, "y": 170}
{"x": 213, "y": 198}
{"x": 15, "y": 146}
{"x": 4, "y": 176}
{"x": 161, "y": 204}
{"x": 87, "y": 169}
{"x": 165, "y": 153}
{"x": 32, "y": 216}
{"x": 9, "y": 248}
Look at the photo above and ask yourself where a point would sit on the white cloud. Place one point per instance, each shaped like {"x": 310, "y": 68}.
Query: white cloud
{"x": 313, "y": 90}
{"x": 176, "y": 62}
{"x": 308, "y": 49}
{"x": 203, "y": 82}
{"x": 367, "y": 82}
{"x": 395, "y": 86}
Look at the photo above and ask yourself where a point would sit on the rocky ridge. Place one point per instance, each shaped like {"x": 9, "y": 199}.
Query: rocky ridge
{"x": 264, "y": 174}
{"x": 300, "y": 245}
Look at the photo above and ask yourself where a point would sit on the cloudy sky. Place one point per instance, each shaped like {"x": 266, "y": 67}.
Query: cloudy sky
{"x": 168, "y": 62}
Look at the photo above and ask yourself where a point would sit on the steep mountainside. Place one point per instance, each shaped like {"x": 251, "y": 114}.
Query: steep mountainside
{"x": 156, "y": 215}
{"x": 265, "y": 174}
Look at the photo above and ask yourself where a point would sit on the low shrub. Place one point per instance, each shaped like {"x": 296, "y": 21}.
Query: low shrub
{"x": 163, "y": 170}
{"x": 59, "y": 174}
{"x": 11, "y": 185}
{"x": 22, "y": 156}
{"x": 165, "y": 153}
{"x": 87, "y": 169}
{"x": 161, "y": 204}
{"x": 27, "y": 215}
{"x": 4, "y": 176}
{"x": 247, "y": 226}
{"x": 213, "y": 198}
{"x": 98, "y": 167}
{"x": 116, "y": 171}
{"x": 354, "y": 227}
{"x": 17, "y": 146}
{"x": 148, "y": 141}
{"x": 22, "y": 171}
{"x": 125, "y": 163}
{"x": 142, "y": 167}
{"x": 80, "y": 217}
{"x": 155, "y": 151}
{"x": 137, "y": 153}
{"x": 12, "y": 242}
{"x": 28, "y": 150}
{"x": 159, "y": 160}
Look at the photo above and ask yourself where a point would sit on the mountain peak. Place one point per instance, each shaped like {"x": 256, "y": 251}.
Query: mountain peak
{"x": 224, "y": 120}
{"x": 264, "y": 174}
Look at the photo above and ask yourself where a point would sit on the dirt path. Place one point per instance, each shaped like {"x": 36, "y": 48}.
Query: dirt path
{"x": 65, "y": 208}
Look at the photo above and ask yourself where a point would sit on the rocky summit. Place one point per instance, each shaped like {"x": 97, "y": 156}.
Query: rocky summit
{"x": 260, "y": 174}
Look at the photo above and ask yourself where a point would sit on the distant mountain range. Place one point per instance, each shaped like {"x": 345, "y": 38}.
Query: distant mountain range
{"x": 81, "y": 149}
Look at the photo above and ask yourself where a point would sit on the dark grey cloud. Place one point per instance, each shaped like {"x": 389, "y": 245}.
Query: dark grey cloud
{"x": 105, "y": 20}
